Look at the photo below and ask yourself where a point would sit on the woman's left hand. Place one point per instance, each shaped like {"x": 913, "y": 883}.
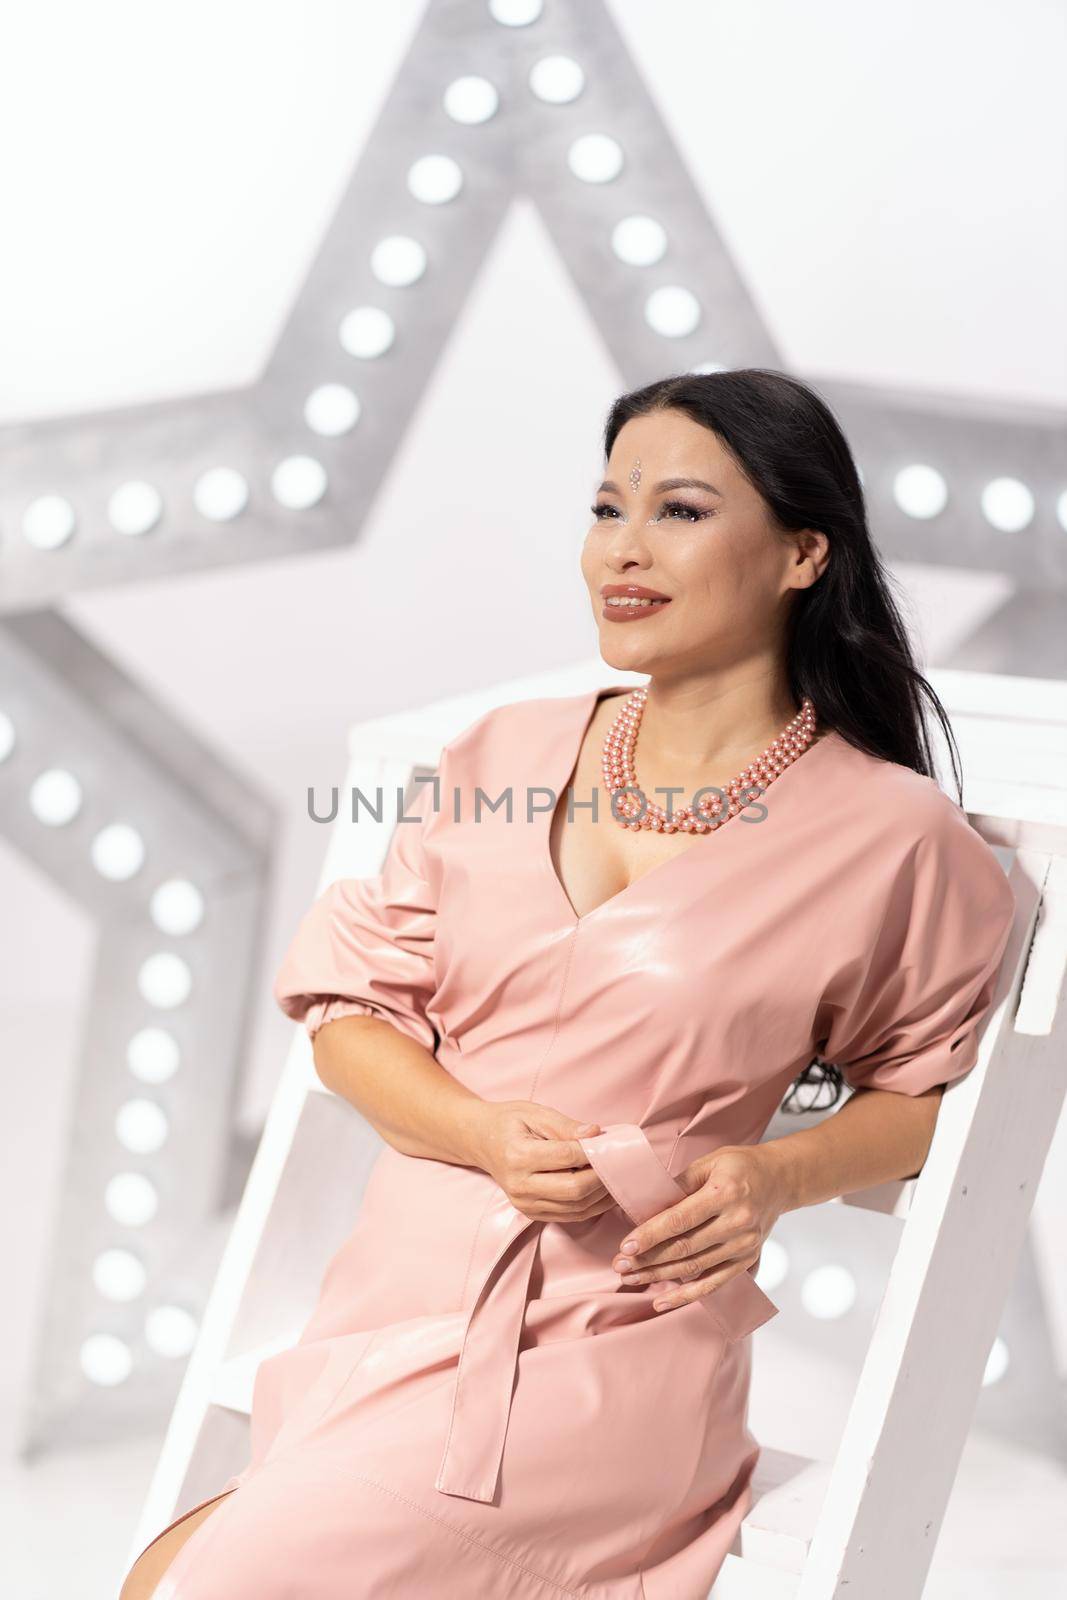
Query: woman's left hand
{"x": 734, "y": 1196}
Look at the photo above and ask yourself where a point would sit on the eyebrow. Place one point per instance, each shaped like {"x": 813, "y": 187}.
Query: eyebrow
{"x": 607, "y": 487}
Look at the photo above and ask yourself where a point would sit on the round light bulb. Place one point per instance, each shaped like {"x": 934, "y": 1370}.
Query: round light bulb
{"x": 920, "y": 491}
{"x": 331, "y": 409}
{"x": 367, "y": 332}
{"x": 153, "y": 1055}
{"x": 177, "y": 907}
{"x": 48, "y": 521}
{"x": 220, "y": 494}
{"x": 639, "y": 241}
{"x": 672, "y": 311}
{"x": 398, "y": 261}
{"x": 135, "y": 508}
{"x": 595, "y": 158}
{"x": 298, "y": 482}
{"x": 470, "y": 100}
{"x": 55, "y": 797}
{"x": 164, "y": 980}
{"x": 435, "y": 179}
{"x": 131, "y": 1199}
{"x": 105, "y": 1359}
{"x": 557, "y": 80}
{"x": 117, "y": 852}
{"x": 119, "y": 1275}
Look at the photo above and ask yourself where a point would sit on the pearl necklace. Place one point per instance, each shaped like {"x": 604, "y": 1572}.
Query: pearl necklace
{"x": 618, "y": 770}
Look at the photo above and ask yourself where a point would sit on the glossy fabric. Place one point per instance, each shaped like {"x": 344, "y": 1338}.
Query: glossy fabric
{"x": 478, "y": 1404}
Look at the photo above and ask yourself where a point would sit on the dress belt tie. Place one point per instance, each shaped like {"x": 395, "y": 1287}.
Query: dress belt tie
{"x": 637, "y": 1180}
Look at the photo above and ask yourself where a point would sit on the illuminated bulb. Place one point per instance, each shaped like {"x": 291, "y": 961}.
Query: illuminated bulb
{"x": 298, "y": 482}
{"x": 220, "y": 494}
{"x": 130, "y": 1198}
{"x": 470, "y": 100}
{"x": 55, "y": 797}
{"x": 1007, "y": 504}
{"x": 367, "y": 332}
{"x": 514, "y": 13}
{"x": 435, "y": 179}
{"x": 117, "y": 852}
{"x": 595, "y": 158}
{"x": 639, "y": 241}
{"x": 177, "y": 906}
{"x": 141, "y": 1127}
{"x": 164, "y": 980}
{"x": 105, "y": 1359}
{"x": 153, "y": 1055}
{"x": 119, "y": 1275}
{"x": 672, "y": 311}
{"x": 773, "y": 1265}
{"x": 920, "y": 491}
{"x": 170, "y": 1331}
{"x": 48, "y": 521}
{"x": 398, "y": 260}
{"x": 135, "y": 508}
{"x": 557, "y": 80}
{"x": 331, "y": 409}
{"x": 828, "y": 1292}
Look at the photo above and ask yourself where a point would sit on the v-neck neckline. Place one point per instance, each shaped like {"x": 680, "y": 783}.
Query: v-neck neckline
{"x": 586, "y": 706}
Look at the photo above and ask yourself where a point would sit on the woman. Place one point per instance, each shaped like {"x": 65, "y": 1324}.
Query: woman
{"x": 572, "y": 1031}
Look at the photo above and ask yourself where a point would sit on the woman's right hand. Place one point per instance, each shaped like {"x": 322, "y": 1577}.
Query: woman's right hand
{"x": 532, "y": 1152}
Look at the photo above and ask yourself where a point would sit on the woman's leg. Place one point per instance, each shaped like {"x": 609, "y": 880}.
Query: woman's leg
{"x": 155, "y": 1558}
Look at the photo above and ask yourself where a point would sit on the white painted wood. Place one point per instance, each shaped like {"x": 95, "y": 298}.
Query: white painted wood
{"x": 788, "y": 1494}
{"x": 872, "y": 1530}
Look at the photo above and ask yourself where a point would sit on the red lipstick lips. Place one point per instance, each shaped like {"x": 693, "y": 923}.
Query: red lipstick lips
{"x": 631, "y": 602}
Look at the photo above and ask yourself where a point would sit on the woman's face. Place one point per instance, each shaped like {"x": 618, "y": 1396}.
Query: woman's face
{"x": 706, "y": 543}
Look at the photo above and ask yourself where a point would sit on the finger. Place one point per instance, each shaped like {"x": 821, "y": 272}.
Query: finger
{"x": 549, "y": 1155}
{"x": 552, "y": 1211}
{"x": 697, "y": 1290}
{"x": 565, "y": 1188}
{"x": 597, "y": 1209}
{"x": 689, "y": 1212}
{"x": 692, "y": 1266}
{"x": 681, "y": 1247}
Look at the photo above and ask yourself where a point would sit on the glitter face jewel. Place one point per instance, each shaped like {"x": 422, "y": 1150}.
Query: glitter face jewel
{"x": 635, "y": 475}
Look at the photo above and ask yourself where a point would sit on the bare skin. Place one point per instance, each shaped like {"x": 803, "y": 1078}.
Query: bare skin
{"x": 718, "y": 694}
{"x": 151, "y": 1564}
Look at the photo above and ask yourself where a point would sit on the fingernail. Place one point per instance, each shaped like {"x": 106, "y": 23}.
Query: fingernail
{"x": 623, "y": 1266}
{"x": 630, "y": 1246}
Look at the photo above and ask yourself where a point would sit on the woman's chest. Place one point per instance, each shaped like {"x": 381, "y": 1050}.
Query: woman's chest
{"x": 594, "y": 857}
{"x": 713, "y": 943}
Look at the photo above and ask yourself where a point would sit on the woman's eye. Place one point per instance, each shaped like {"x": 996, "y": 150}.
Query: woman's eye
{"x": 681, "y": 505}
{"x": 692, "y": 513}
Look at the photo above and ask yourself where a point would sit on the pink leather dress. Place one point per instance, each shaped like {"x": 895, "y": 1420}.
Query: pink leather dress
{"x": 478, "y": 1404}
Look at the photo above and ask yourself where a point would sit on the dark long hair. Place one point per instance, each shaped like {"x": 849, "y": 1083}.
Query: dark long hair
{"x": 847, "y": 645}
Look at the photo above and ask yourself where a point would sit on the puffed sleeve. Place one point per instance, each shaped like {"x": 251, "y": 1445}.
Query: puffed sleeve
{"x": 904, "y": 1013}
{"x": 366, "y": 945}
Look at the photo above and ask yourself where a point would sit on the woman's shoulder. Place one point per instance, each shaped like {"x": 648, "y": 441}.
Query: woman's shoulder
{"x": 889, "y": 790}
{"x": 907, "y": 818}
{"x": 516, "y": 726}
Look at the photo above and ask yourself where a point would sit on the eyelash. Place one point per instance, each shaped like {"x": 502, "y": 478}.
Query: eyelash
{"x": 668, "y": 505}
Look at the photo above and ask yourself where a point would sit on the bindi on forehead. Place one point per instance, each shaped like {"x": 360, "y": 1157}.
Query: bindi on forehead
{"x": 635, "y": 475}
